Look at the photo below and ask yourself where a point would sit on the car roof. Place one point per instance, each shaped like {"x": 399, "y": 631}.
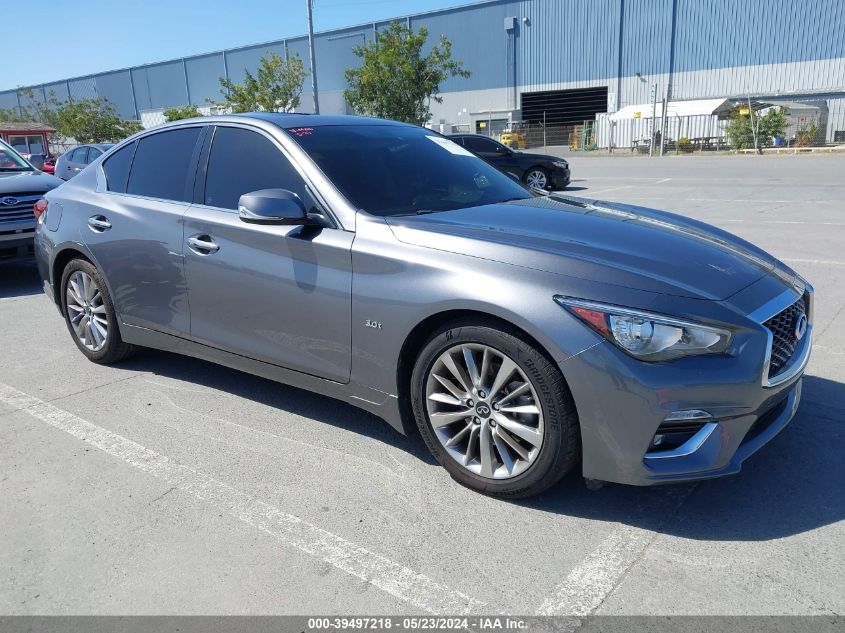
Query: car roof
{"x": 298, "y": 119}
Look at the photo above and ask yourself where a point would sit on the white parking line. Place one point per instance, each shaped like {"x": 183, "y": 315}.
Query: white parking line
{"x": 822, "y": 262}
{"x": 595, "y": 578}
{"x": 588, "y": 584}
{"x": 393, "y": 578}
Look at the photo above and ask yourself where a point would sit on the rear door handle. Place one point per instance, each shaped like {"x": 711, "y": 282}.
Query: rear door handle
{"x": 99, "y": 223}
{"x": 203, "y": 244}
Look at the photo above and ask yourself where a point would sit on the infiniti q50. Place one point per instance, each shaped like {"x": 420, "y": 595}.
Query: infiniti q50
{"x": 523, "y": 335}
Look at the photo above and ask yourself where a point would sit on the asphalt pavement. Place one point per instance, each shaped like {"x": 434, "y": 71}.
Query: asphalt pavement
{"x": 168, "y": 485}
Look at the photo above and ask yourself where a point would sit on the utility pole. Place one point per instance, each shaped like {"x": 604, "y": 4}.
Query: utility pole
{"x": 653, "y": 117}
{"x": 312, "y": 57}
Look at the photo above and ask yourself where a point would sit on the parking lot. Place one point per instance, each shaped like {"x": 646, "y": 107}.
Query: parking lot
{"x": 168, "y": 485}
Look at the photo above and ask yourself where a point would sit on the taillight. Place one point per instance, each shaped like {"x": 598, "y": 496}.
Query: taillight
{"x": 40, "y": 209}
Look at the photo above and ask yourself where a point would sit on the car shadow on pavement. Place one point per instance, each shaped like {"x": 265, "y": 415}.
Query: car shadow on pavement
{"x": 274, "y": 394}
{"x": 792, "y": 485}
{"x": 19, "y": 278}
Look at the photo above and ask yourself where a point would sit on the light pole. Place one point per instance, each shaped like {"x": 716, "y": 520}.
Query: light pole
{"x": 309, "y": 3}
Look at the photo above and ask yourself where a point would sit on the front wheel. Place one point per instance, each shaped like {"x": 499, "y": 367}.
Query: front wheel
{"x": 494, "y": 411}
{"x": 536, "y": 178}
{"x": 89, "y": 314}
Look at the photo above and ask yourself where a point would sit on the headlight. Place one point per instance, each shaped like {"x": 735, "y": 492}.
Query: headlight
{"x": 560, "y": 163}
{"x": 647, "y": 336}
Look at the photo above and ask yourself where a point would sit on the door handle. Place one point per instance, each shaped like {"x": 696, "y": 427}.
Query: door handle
{"x": 99, "y": 223}
{"x": 203, "y": 244}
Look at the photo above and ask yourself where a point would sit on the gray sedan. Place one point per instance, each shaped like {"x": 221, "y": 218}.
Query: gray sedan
{"x": 74, "y": 161}
{"x": 521, "y": 335}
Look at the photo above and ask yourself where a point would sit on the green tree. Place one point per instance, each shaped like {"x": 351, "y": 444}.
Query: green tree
{"x": 395, "y": 80}
{"x": 181, "y": 112}
{"x": 741, "y": 127}
{"x": 86, "y": 120}
{"x": 91, "y": 121}
{"x": 275, "y": 88}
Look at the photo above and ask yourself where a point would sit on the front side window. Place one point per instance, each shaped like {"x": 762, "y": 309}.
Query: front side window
{"x": 242, "y": 161}
{"x": 395, "y": 170}
{"x": 482, "y": 145}
{"x": 116, "y": 168}
{"x": 161, "y": 164}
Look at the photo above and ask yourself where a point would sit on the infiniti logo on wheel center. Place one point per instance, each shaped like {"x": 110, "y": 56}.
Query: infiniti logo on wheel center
{"x": 483, "y": 410}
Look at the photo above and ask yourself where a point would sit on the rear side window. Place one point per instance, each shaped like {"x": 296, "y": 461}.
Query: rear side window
{"x": 160, "y": 167}
{"x": 93, "y": 154}
{"x": 80, "y": 155}
{"x": 242, "y": 161}
{"x": 116, "y": 168}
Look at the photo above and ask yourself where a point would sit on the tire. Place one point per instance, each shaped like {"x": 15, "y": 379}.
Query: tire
{"x": 537, "y": 175}
{"x": 89, "y": 302}
{"x": 555, "y": 427}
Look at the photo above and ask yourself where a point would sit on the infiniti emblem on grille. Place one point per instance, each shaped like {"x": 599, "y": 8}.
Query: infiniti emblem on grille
{"x": 800, "y": 326}
{"x": 9, "y": 201}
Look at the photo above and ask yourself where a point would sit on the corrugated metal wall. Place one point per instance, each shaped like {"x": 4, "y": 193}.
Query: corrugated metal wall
{"x": 721, "y": 48}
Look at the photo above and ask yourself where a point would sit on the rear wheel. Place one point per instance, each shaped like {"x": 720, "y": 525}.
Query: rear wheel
{"x": 494, "y": 411}
{"x": 89, "y": 314}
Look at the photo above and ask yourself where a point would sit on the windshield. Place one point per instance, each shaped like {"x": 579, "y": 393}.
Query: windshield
{"x": 395, "y": 170}
{"x": 10, "y": 160}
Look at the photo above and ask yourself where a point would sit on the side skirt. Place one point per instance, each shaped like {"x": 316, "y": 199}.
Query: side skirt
{"x": 383, "y": 405}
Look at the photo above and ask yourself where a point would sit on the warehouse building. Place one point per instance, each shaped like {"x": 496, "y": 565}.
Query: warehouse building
{"x": 552, "y": 62}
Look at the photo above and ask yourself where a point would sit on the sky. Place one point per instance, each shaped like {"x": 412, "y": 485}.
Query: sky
{"x": 90, "y": 36}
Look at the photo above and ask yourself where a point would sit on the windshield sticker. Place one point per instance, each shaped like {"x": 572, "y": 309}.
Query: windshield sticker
{"x": 301, "y": 131}
{"x": 450, "y": 146}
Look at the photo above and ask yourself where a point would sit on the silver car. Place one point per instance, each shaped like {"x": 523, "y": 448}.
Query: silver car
{"x": 74, "y": 161}
{"x": 382, "y": 264}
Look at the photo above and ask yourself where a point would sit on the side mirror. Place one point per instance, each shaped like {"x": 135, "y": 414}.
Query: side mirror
{"x": 272, "y": 206}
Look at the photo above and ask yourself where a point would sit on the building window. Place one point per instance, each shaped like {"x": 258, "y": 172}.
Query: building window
{"x": 28, "y": 143}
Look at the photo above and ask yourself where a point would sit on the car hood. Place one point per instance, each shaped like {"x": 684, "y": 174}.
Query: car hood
{"x": 541, "y": 157}
{"x": 26, "y": 182}
{"x": 604, "y": 242}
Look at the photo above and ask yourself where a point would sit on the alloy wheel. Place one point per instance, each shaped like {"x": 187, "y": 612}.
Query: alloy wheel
{"x": 536, "y": 179}
{"x": 86, "y": 311}
{"x": 484, "y": 411}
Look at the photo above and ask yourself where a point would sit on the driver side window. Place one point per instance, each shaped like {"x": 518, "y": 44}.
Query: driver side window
{"x": 242, "y": 161}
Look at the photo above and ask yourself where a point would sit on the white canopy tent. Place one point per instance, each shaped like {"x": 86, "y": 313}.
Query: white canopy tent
{"x": 700, "y": 107}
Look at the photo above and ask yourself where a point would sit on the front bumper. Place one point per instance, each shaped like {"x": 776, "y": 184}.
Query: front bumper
{"x": 559, "y": 178}
{"x": 16, "y": 238}
{"x": 623, "y": 404}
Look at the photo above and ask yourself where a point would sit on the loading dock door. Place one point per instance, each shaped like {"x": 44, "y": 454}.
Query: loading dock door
{"x": 564, "y": 107}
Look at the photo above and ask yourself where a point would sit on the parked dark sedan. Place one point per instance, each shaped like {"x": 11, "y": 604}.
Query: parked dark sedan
{"x": 535, "y": 170}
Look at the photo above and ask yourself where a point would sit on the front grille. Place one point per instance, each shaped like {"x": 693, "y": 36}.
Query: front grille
{"x": 784, "y": 342}
{"x": 21, "y": 209}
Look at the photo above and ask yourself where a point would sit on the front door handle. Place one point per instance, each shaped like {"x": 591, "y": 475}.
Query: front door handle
{"x": 99, "y": 223}
{"x": 203, "y": 244}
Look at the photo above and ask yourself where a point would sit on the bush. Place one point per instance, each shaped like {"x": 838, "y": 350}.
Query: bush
{"x": 181, "y": 112}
